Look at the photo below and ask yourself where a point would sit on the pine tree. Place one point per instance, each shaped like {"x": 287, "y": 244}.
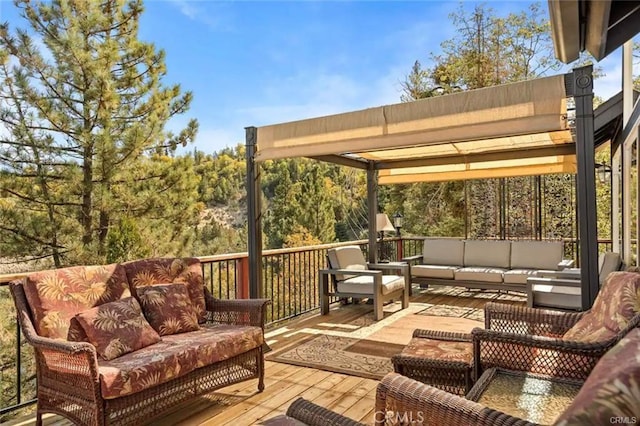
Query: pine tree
{"x": 316, "y": 213}
{"x": 85, "y": 111}
{"x": 489, "y": 50}
{"x": 283, "y": 208}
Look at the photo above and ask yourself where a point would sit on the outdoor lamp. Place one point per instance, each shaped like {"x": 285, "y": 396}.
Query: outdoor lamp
{"x": 397, "y": 222}
{"x": 603, "y": 170}
{"x": 383, "y": 224}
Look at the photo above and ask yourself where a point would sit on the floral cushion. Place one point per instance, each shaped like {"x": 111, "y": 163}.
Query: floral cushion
{"x": 616, "y": 304}
{"x": 168, "y": 308}
{"x": 117, "y": 328}
{"x": 187, "y": 271}
{"x": 56, "y": 296}
{"x": 175, "y": 356}
{"x": 612, "y": 390}
{"x": 441, "y": 350}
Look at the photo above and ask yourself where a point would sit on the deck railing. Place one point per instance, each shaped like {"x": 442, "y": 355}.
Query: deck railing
{"x": 290, "y": 280}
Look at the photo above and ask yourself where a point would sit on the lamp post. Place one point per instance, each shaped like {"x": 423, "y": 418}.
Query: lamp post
{"x": 397, "y": 223}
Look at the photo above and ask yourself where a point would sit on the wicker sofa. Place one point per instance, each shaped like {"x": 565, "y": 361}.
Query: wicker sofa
{"x": 99, "y": 361}
{"x": 485, "y": 264}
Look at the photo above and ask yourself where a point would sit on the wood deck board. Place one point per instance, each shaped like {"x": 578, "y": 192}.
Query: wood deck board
{"x": 241, "y": 404}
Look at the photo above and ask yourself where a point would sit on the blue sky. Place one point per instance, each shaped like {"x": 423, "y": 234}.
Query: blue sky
{"x": 264, "y": 62}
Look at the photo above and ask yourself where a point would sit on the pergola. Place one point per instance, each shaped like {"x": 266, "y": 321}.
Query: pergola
{"x": 515, "y": 129}
{"x": 601, "y": 27}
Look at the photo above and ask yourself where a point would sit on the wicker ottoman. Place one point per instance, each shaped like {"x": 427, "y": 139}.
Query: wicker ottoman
{"x": 440, "y": 359}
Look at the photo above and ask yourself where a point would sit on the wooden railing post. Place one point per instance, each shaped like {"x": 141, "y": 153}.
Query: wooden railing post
{"x": 242, "y": 268}
{"x": 399, "y": 250}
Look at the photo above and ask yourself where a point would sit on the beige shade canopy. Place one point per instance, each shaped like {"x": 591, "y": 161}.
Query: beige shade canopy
{"x": 510, "y": 130}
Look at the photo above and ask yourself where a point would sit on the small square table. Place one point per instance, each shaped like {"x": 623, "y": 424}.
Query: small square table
{"x": 536, "y": 398}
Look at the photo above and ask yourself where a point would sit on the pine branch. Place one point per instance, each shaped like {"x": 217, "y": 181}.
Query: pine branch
{"x": 29, "y": 237}
{"x": 33, "y": 200}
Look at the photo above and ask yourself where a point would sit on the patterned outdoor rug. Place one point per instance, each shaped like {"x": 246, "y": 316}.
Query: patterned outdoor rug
{"x": 364, "y": 347}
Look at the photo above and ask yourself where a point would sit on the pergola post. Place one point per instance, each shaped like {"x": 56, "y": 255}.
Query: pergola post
{"x": 582, "y": 83}
{"x": 372, "y": 202}
{"x": 254, "y": 215}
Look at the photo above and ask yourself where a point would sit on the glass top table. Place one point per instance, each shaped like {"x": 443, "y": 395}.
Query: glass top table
{"x": 538, "y": 399}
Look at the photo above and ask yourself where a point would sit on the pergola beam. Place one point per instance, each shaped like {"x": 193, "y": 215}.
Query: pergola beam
{"x": 343, "y": 161}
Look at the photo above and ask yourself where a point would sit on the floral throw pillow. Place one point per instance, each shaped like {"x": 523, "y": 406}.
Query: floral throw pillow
{"x": 117, "y": 328}
{"x": 169, "y": 308}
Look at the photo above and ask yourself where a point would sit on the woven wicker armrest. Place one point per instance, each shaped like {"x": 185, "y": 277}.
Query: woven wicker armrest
{"x": 537, "y": 354}
{"x": 524, "y": 320}
{"x": 315, "y": 415}
{"x": 443, "y": 335}
{"x": 237, "y": 312}
{"x": 402, "y": 400}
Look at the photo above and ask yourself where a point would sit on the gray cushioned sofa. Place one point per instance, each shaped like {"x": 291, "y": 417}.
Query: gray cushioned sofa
{"x": 485, "y": 264}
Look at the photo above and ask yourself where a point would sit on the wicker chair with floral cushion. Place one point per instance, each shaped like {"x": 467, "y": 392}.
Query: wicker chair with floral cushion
{"x": 557, "y": 343}
{"x": 99, "y": 361}
{"x": 610, "y": 394}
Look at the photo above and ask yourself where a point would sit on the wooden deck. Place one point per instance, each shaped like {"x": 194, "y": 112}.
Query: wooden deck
{"x": 241, "y": 404}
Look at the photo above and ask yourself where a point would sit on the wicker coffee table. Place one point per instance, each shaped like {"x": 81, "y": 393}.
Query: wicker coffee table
{"x": 441, "y": 359}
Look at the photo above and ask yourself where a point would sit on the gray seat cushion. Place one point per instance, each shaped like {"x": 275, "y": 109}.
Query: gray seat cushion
{"x": 347, "y": 257}
{"x": 364, "y": 284}
{"x": 536, "y": 254}
{"x": 479, "y": 273}
{"x": 489, "y": 253}
{"x": 433, "y": 271}
{"x": 608, "y": 262}
{"x": 443, "y": 251}
{"x": 519, "y": 276}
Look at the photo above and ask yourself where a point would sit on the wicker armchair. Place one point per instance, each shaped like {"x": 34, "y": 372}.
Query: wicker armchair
{"x": 530, "y": 339}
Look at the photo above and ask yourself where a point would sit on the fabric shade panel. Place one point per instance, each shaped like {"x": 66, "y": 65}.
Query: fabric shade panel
{"x": 480, "y": 170}
{"x": 383, "y": 223}
{"x": 532, "y": 113}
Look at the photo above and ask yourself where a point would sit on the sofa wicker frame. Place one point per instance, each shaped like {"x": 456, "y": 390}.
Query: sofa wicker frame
{"x": 69, "y": 383}
{"x": 514, "y": 335}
